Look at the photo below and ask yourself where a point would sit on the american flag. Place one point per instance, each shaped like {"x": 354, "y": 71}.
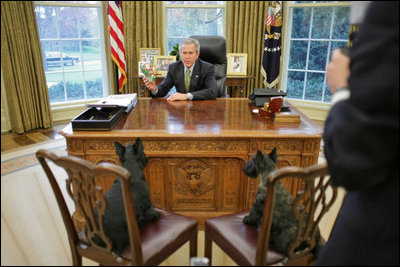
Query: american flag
{"x": 117, "y": 40}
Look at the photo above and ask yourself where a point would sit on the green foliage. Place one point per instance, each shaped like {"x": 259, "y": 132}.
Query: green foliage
{"x": 175, "y": 52}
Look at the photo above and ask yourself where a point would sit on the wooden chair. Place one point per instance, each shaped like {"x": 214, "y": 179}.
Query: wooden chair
{"x": 150, "y": 245}
{"x": 247, "y": 245}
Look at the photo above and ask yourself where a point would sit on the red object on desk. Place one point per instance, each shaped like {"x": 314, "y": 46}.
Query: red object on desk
{"x": 274, "y": 105}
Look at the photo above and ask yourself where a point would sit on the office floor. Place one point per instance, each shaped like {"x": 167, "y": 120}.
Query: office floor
{"x": 30, "y": 215}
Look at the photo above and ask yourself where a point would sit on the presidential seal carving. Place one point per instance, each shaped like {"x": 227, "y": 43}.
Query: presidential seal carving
{"x": 193, "y": 177}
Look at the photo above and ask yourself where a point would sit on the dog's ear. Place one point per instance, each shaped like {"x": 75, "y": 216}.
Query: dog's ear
{"x": 139, "y": 150}
{"x": 259, "y": 156}
{"x": 273, "y": 155}
{"x": 138, "y": 146}
{"x": 120, "y": 149}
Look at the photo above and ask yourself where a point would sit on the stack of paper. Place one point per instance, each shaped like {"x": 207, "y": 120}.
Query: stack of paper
{"x": 127, "y": 101}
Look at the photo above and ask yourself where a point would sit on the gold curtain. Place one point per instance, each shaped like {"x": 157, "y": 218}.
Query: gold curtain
{"x": 245, "y": 34}
{"x": 143, "y": 28}
{"x": 22, "y": 66}
{"x": 353, "y": 31}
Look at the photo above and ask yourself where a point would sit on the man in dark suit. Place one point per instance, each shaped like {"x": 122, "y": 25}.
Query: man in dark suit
{"x": 361, "y": 143}
{"x": 193, "y": 78}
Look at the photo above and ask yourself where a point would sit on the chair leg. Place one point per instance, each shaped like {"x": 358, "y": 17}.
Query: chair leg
{"x": 207, "y": 248}
{"x": 193, "y": 246}
{"x": 76, "y": 260}
{"x": 76, "y": 257}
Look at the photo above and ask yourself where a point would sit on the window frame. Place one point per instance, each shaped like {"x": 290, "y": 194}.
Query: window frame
{"x": 287, "y": 29}
{"x": 166, "y": 6}
{"x": 75, "y": 105}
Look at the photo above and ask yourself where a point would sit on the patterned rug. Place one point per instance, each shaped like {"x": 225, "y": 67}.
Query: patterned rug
{"x": 25, "y": 157}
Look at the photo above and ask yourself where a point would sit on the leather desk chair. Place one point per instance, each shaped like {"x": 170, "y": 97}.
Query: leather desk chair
{"x": 248, "y": 245}
{"x": 150, "y": 245}
{"x": 213, "y": 50}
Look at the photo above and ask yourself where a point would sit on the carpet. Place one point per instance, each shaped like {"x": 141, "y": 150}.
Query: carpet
{"x": 23, "y": 158}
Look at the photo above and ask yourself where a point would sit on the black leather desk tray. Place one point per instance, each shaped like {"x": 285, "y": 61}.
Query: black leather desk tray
{"x": 96, "y": 119}
{"x": 262, "y": 95}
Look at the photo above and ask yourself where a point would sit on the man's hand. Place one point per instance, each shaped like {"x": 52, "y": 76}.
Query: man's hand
{"x": 151, "y": 85}
{"x": 177, "y": 96}
{"x": 338, "y": 71}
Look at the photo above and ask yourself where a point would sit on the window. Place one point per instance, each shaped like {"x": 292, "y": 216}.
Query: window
{"x": 187, "y": 18}
{"x": 313, "y": 31}
{"x": 72, "y": 40}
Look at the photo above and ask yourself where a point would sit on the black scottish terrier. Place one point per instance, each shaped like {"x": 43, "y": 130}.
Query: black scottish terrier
{"x": 134, "y": 160}
{"x": 284, "y": 224}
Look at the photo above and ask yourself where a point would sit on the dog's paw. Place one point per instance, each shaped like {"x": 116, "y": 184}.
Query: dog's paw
{"x": 152, "y": 214}
{"x": 250, "y": 220}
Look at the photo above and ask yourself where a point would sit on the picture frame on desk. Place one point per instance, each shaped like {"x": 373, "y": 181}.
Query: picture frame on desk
{"x": 162, "y": 62}
{"x": 237, "y": 64}
{"x": 148, "y": 54}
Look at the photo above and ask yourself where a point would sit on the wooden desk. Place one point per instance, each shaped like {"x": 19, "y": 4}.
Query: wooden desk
{"x": 196, "y": 151}
{"x": 235, "y": 85}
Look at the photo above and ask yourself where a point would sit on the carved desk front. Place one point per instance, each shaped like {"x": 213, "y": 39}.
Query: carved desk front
{"x": 196, "y": 151}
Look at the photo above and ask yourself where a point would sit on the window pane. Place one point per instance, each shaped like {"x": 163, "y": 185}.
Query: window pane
{"x": 295, "y": 84}
{"x": 298, "y": 54}
{"x": 94, "y": 84}
{"x": 46, "y": 18}
{"x": 321, "y": 22}
{"x": 184, "y": 22}
{"x": 89, "y": 23}
{"x": 91, "y": 55}
{"x": 317, "y": 59}
{"x": 52, "y": 55}
{"x": 176, "y": 17}
{"x": 341, "y": 23}
{"x": 314, "y": 85}
{"x": 301, "y": 22}
{"x": 68, "y": 19}
{"x": 328, "y": 95}
{"x": 74, "y": 85}
{"x": 71, "y": 55}
{"x": 335, "y": 45}
{"x": 55, "y": 85}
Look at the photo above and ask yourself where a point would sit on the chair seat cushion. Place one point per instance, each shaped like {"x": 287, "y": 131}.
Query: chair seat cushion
{"x": 157, "y": 243}
{"x": 237, "y": 239}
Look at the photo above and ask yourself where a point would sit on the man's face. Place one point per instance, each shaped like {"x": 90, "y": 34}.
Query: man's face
{"x": 189, "y": 54}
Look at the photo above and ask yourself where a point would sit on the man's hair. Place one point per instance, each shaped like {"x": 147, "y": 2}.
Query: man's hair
{"x": 188, "y": 41}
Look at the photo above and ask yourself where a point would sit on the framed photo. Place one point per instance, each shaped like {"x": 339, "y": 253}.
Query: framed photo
{"x": 140, "y": 64}
{"x": 237, "y": 64}
{"x": 162, "y": 62}
{"x": 148, "y": 54}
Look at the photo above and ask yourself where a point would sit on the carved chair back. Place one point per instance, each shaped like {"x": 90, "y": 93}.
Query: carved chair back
{"x": 309, "y": 206}
{"x": 82, "y": 185}
{"x": 249, "y": 245}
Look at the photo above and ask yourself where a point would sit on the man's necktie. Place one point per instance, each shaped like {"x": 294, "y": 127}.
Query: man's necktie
{"x": 187, "y": 80}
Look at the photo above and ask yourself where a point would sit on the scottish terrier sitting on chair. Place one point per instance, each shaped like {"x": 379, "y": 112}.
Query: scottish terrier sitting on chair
{"x": 134, "y": 160}
{"x": 284, "y": 224}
